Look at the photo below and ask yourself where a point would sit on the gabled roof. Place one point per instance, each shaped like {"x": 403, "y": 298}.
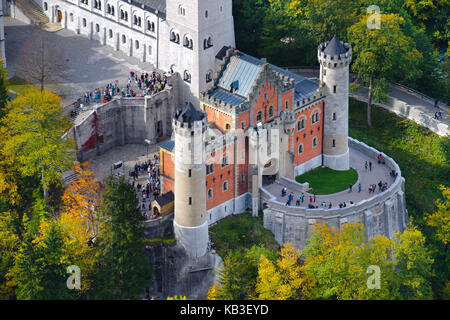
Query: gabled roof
{"x": 334, "y": 47}
{"x": 165, "y": 199}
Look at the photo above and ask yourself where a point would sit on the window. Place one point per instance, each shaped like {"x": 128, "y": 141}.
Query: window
{"x": 181, "y": 11}
{"x": 225, "y": 186}
{"x": 84, "y": 22}
{"x": 124, "y": 39}
{"x": 190, "y": 173}
{"x": 207, "y": 43}
{"x": 209, "y": 168}
{"x": 108, "y": 9}
{"x": 334, "y": 143}
{"x": 287, "y": 105}
{"x": 97, "y": 27}
{"x": 315, "y": 117}
{"x": 210, "y": 193}
{"x": 110, "y": 33}
{"x": 188, "y": 43}
{"x": 150, "y": 50}
{"x": 190, "y": 200}
{"x": 243, "y": 179}
{"x": 174, "y": 37}
{"x": 300, "y": 148}
{"x": 209, "y": 76}
{"x": 45, "y": 6}
{"x": 112, "y": 10}
{"x": 71, "y": 17}
{"x": 314, "y": 142}
{"x": 187, "y": 76}
{"x": 136, "y": 44}
{"x": 265, "y": 95}
{"x": 224, "y": 161}
{"x": 270, "y": 111}
{"x": 259, "y": 116}
{"x": 150, "y": 26}
{"x": 227, "y": 127}
{"x": 243, "y": 125}
{"x": 301, "y": 124}
{"x": 334, "y": 89}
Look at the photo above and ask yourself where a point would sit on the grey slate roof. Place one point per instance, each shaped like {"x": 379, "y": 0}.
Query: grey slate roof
{"x": 227, "y": 97}
{"x": 189, "y": 114}
{"x": 169, "y": 145}
{"x": 334, "y": 47}
{"x": 165, "y": 198}
{"x": 159, "y": 5}
{"x": 222, "y": 52}
{"x": 304, "y": 87}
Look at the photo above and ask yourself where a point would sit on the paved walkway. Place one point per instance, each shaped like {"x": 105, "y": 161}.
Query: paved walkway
{"x": 357, "y": 162}
{"x": 416, "y": 106}
{"x": 90, "y": 64}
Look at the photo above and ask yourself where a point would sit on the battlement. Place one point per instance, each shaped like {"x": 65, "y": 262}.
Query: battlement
{"x": 334, "y": 60}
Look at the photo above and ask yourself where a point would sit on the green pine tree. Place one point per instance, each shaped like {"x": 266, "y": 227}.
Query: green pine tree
{"x": 123, "y": 268}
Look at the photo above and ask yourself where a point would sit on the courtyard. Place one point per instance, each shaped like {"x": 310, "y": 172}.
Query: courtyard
{"x": 89, "y": 64}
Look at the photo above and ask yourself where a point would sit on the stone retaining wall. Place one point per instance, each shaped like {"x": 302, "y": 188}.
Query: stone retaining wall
{"x": 384, "y": 213}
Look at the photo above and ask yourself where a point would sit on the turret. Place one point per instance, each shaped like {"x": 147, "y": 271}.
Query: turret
{"x": 190, "y": 223}
{"x": 335, "y": 57}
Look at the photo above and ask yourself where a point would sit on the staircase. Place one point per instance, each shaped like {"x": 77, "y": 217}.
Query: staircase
{"x": 33, "y": 11}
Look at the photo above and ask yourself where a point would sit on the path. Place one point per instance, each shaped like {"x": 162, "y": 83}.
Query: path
{"x": 357, "y": 161}
{"x": 403, "y": 101}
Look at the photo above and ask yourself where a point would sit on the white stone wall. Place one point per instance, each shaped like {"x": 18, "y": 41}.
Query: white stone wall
{"x": 144, "y": 44}
{"x": 384, "y": 213}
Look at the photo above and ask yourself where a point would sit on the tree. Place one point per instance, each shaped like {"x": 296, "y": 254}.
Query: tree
{"x": 32, "y": 138}
{"x": 123, "y": 269}
{"x": 338, "y": 263}
{"x": 42, "y": 60}
{"x": 4, "y": 96}
{"x": 440, "y": 219}
{"x": 283, "y": 279}
{"x": 383, "y": 55}
{"x": 82, "y": 198}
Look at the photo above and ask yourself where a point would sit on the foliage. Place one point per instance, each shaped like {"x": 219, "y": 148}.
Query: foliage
{"x": 238, "y": 274}
{"x": 283, "y": 279}
{"x": 338, "y": 262}
{"x": 4, "y": 96}
{"x": 122, "y": 269}
{"x": 32, "y": 139}
{"x": 241, "y": 231}
{"x": 328, "y": 181}
{"x": 440, "y": 219}
{"x": 165, "y": 241}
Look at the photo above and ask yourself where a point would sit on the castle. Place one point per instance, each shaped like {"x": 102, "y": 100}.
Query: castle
{"x": 243, "y": 122}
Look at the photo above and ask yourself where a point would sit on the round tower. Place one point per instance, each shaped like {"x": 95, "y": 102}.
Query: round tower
{"x": 334, "y": 57}
{"x": 190, "y": 224}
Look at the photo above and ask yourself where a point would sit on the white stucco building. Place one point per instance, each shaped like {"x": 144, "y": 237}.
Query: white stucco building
{"x": 183, "y": 36}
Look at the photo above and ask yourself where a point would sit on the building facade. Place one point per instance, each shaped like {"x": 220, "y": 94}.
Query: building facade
{"x": 171, "y": 35}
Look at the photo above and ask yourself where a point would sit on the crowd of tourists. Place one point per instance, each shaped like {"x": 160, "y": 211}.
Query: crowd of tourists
{"x": 138, "y": 85}
{"x": 151, "y": 188}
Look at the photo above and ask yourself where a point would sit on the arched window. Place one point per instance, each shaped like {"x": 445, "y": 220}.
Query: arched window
{"x": 259, "y": 116}
{"x": 135, "y": 20}
{"x": 97, "y": 27}
{"x": 150, "y": 26}
{"x": 124, "y": 39}
{"x": 122, "y": 14}
{"x": 172, "y": 36}
{"x": 177, "y": 38}
{"x": 136, "y": 44}
{"x": 314, "y": 142}
{"x": 301, "y": 124}
{"x": 225, "y": 186}
{"x": 149, "y": 50}
{"x": 139, "y": 21}
{"x": 209, "y": 76}
{"x": 187, "y": 76}
{"x": 270, "y": 111}
{"x": 334, "y": 115}
{"x": 210, "y": 43}
{"x": 206, "y": 14}
{"x": 71, "y": 16}
{"x": 110, "y": 33}
{"x": 126, "y": 16}
{"x": 207, "y": 43}
{"x": 334, "y": 143}
{"x": 108, "y": 9}
{"x": 300, "y": 148}
{"x": 112, "y": 10}
{"x": 45, "y": 6}
{"x": 84, "y": 22}
{"x": 210, "y": 193}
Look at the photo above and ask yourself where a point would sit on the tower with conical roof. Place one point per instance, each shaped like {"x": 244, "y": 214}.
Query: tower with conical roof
{"x": 190, "y": 223}
{"x": 334, "y": 57}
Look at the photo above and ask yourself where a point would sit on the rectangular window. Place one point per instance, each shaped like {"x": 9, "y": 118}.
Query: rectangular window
{"x": 209, "y": 168}
{"x": 242, "y": 179}
{"x": 190, "y": 173}
{"x": 190, "y": 200}
{"x": 224, "y": 161}
{"x": 334, "y": 89}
